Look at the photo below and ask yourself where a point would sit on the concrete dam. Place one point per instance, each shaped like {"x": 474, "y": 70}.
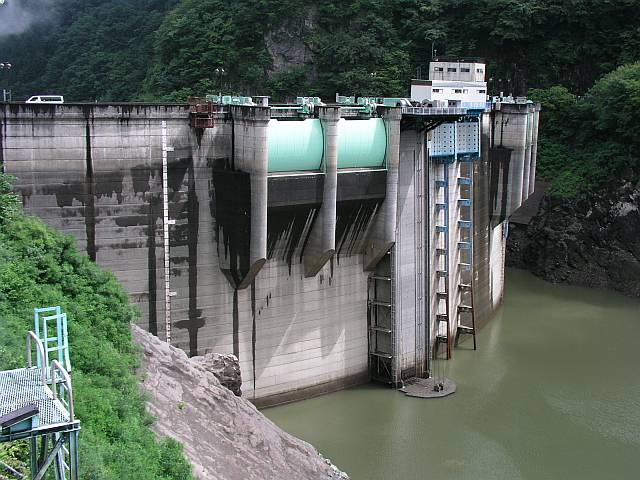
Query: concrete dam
{"x": 324, "y": 245}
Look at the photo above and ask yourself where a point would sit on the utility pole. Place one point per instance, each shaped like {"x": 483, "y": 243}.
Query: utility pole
{"x": 6, "y": 66}
{"x": 220, "y": 72}
{"x": 3, "y": 66}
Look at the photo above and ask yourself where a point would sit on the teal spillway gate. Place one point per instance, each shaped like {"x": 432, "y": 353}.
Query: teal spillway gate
{"x": 298, "y": 145}
{"x": 295, "y": 145}
{"x": 361, "y": 143}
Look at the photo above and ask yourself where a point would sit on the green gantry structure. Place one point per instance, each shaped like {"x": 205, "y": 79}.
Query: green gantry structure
{"x": 36, "y": 402}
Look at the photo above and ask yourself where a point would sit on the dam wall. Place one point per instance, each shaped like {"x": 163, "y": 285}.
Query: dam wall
{"x": 96, "y": 173}
{"x": 236, "y": 240}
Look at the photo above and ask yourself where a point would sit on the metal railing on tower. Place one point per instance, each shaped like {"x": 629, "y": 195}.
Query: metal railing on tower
{"x": 36, "y": 402}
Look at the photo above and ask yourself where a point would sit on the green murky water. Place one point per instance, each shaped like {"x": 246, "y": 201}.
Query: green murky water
{"x": 553, "y": 392}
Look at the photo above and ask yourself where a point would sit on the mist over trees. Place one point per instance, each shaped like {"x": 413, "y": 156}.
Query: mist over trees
{"x": 85, "y": 50}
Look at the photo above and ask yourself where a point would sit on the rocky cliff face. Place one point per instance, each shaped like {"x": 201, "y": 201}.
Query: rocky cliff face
{"x": 289, "y": 46}
{"x": 224, "y": 436}
{"x": 592, "y": 242}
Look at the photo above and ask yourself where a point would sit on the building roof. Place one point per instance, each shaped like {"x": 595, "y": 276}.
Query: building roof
{"x": 448, "y": 83}
{"x": 459, "y": 60}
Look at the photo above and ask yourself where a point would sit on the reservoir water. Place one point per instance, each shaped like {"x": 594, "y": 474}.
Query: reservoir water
{"x": 553, "y": 392}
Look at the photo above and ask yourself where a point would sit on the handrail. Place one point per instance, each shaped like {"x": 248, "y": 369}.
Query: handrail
{"x": 55, "y": 365}
{"x": 40, "y": 349}
{"x": 434, "y": 110}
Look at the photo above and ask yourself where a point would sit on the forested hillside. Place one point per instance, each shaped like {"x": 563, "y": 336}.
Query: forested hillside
{"x": 83, "y": 49}
{"x": 151, "y": 49}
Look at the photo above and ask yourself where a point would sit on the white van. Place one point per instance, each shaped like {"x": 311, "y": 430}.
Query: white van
{"x": 46, "y": 99}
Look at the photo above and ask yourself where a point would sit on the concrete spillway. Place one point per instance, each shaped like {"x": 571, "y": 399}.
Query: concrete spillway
{"x": 260, "y": 236}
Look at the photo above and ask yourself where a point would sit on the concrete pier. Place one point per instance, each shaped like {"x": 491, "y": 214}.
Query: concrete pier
{"x": 383, "y": 230}
{"x": 322, "y": 241}
{"x": 512, "y": 155}
{"x": 534, "y": 149}
{"x": 251, "y": 157}
{"x": 408, "y": 258}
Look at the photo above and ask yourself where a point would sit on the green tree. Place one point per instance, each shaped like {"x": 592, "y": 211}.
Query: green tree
{"x": 615, "y": 100}
{"x": 588, "y": 141}
{"x": 8, "y": 201}
{"x": 559, "y": 106}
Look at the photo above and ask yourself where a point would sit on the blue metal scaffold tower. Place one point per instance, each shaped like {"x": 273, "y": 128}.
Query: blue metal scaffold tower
{"x": 36, "y": 402}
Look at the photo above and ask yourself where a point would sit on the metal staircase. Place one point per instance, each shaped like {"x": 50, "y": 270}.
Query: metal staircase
{"x": 442, "y": 324}
{"x": 466, "y": 322}
{"x": 380, "y": 314}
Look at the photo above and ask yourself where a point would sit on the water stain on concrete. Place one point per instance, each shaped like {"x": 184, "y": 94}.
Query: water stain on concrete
{"x": 352, "y": 222}
{"x": 288, "y": 229}
{"x": 189, "y": 236}
{"x": 90, "y": 205}
{"x": 230, "y": 201}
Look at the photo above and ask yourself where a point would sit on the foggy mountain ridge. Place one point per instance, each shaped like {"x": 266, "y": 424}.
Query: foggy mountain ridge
{"x": 16, "y": 16}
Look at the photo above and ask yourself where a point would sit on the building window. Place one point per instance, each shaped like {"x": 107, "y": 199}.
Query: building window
{"x": 438, "y": 69}
{"x": 465, "y": 70}
{"x": 451, "y": 69}
{"x": 479, "y": 70}
{"x": 436, "y": 90}
{"x": 482, "y": 91}
{"x": 457, "y": 90}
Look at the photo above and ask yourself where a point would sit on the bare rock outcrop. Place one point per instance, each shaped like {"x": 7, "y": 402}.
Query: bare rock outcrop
{"x": 224, "y": 436}
{"x": 226, "y": 368}
{"x": 591, "y": 241}
{"x": 290, "y": 46}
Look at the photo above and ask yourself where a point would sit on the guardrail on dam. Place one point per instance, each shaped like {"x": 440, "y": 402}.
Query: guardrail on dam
{"x": 312, "y": 248}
